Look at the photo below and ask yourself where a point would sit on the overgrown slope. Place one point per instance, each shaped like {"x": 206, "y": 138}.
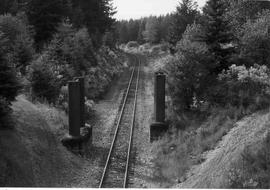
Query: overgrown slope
{"x": 31, "y": 154}
{"x": 215, "y": 171}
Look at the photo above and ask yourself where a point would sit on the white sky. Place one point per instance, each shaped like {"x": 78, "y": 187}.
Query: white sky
{"x": 127, "y": 9}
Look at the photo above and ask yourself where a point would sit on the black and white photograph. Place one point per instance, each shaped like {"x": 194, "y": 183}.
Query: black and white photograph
{"x": 156, "y": 94}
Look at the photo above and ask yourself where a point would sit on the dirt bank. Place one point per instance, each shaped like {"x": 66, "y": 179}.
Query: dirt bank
{"x": 213, "y": 173}
{"x": 31, "y": 154}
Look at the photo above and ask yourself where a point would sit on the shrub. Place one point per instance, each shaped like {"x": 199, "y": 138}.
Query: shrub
{"x": 71, "y": 54}
{"x": 189, "y": 75}
{"x": 44, "y": 81}
{"x": 255, "y": 41}
{"x": 132, "y": 44}
{"x": 243, "y": 87}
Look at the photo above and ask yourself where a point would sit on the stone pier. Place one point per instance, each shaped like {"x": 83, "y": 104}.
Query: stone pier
{"x": 74, "y": 103}
{"x": 82, "y": 100}
{"x": 79, "y": 132}
{"x": 159, "y": 126}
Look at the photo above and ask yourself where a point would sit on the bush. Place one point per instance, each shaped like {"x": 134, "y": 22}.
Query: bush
{"x": 243, "y": 87}
{"x": 189, "y": 75}
{"x": 132, "y": 44}
{"x": 255, "y": 41}
{"x": 79, "y": 51}
{"x": 44, "y": 81}
{"x": 71, "y": 54}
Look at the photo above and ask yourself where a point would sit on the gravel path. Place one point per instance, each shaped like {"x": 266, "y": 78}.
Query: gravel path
{"x": 143, "y": 171}
{"x": 103, "y": 121}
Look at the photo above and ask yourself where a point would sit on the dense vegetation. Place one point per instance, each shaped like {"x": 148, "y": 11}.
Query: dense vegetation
{"x": 218, "y": 72}
{"x": 46, "y": 43}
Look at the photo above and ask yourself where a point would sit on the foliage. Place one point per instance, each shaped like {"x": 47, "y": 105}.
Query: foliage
{"x": 241, "y": 11}
{"x": 150, "y": 29}
{"x": 217, "y": 34}
{"x": 185, "y": 15}
{"x": 132, "y": 44}
{"x": 188, "y": 72}
{"x": 8, "y": 6}
{"x": 71, "y": 54}
{"x": 95, "y": 15}
{"x": 19, "y": 45}
{"x": 109, "y": 65}
{"x": 246, "y": 87}
{"x": 79, "y": 52}
{"x": 45, "y": 16}
{"x": 254, "y": 41}
{"x": 44, "y": 81}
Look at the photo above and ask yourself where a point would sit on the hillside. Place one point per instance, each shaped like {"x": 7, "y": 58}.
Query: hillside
{"x": 215, "y": 170}
{"x": 31, "y": 154}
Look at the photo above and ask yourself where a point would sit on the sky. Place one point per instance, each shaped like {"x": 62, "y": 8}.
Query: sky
{"x": 127, "y": 9}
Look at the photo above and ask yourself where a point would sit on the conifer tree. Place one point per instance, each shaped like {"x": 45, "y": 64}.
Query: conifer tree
{"x": 218, "y": 35}
{"x": 97, "y": 17}
{"x": 185, "y": 14}
{"x": 45, "y": 16}
{"x": 140, "y": 32}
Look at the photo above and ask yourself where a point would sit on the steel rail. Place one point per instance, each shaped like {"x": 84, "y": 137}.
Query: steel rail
{"x": 116, "y": 131}
{"x": 132, "y": 126}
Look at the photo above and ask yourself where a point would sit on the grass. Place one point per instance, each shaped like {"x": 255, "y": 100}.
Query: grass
{"x": 253, "y": 170}
{"x": 178, "y": 151}
{"x": 56, "y": 118}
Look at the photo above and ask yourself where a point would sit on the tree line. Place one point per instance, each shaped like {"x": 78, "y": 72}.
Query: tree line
{"x": 157, "y": 29}
{"x": 151, "y": 29}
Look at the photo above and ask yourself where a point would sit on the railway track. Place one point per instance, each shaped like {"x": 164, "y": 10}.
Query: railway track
{"x": 116, "y": 171}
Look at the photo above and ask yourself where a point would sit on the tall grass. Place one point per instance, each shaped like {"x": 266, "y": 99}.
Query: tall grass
{"x": 179, "y": 150}
{"x": 56, "y": 118}
{"x": 253, "y": 171}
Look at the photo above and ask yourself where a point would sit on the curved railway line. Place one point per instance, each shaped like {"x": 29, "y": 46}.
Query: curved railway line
{"x": 116, "y": 171}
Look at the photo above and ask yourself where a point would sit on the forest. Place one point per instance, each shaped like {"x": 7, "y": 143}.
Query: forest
{"x": 217, "y": 63}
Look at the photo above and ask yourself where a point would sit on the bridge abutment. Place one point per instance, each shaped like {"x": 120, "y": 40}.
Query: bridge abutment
{"x": 159, "y": 127}
{"x": 79, "y": 132}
